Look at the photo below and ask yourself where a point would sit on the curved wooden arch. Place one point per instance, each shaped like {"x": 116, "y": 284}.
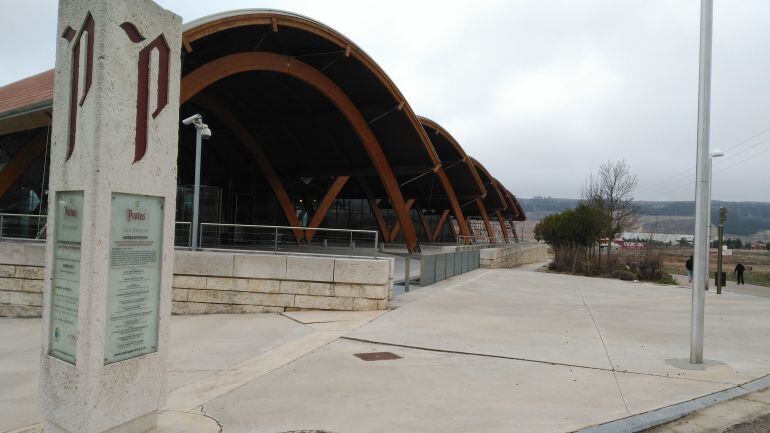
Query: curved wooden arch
{"x": 228, "y": 20}
{"x": 466, "y": 159}
{"x": 223, "y": 67}
{"x": 485, "y": 218}
{"x": 493, "y": 182}
{"x": 452, "y": 196}
{"x": 516, "y": 208}
{"x": 501, "y": 220}
{"x": 228, "y": 118}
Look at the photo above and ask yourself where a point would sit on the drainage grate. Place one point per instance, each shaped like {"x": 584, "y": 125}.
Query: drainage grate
{"x": 376, "y": 356}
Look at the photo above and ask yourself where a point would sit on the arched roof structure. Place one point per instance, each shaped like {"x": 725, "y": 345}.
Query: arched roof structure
{"x": 322, "y": 106}
{"x": 315, "y": 116}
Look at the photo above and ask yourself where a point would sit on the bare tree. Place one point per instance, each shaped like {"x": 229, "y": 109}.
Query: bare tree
{"x": 611, "y": 189}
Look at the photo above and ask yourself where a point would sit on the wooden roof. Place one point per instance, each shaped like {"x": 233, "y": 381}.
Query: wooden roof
{"x": 31, "y": 92}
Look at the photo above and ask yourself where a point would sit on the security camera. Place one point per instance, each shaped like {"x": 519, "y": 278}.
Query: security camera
{"x": 195, "y": 118}
{"x": 205, "y": 131}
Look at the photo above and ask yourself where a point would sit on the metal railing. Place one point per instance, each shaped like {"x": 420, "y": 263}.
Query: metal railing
{"x": 182, "y": 233}
{"x": 32, "y": 227}
{"x": 29, "y": 227}
{"x": 484, "y": 241}
{"x": 288, "y": 239}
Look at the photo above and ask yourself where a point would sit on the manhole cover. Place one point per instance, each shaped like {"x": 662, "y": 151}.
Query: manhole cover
{"x": 376, "y": 356}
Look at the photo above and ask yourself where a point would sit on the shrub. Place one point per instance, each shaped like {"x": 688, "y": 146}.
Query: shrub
{"x": 625, "y": 275}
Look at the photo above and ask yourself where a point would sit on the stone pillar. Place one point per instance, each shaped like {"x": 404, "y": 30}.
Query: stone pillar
{"x": 109, "y": 252}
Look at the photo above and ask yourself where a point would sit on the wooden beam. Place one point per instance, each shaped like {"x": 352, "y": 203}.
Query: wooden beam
{"x": 425, "y": 225}
{"x": 384, "y": 232}
{"x": 453, "y": 201}
{"x": 513, "y": 230}
{"x": 397, "y": 225}
{"x": 21, "y": 161}
{"x": 306, "y": 25}
{"x": 323, "y": 206}
{"x": 485, "y": 217}
{"x": 440, "y": 225}
{"x": 232, "y": 64}
{"x": 225, "y": 115}
{"x": 501, "y": 220}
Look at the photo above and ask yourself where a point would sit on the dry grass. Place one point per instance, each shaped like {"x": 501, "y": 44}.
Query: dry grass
{"x": 757, "y": 262}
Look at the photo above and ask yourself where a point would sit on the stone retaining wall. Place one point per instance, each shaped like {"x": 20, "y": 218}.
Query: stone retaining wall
{"x": 212, "y": 282}
{"x": 221, "y": 282}
{"x": 21, "y": 279}
{"x": 513, "y": 255}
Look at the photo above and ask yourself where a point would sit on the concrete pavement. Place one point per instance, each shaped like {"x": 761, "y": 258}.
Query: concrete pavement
{"x": 731, "y": 286}
{"x": 488, "y": 351}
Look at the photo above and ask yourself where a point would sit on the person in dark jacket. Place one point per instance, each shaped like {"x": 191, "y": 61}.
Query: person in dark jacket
{"x": 739, "y": 268}
{"x": 688, "y": 265}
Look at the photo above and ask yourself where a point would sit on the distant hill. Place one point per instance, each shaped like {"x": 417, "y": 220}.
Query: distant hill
{"x": 750, "y": 220}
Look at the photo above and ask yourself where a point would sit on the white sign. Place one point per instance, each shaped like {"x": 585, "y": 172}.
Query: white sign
{"x": 133, "y": 293}
{"x": 65, "y": 289}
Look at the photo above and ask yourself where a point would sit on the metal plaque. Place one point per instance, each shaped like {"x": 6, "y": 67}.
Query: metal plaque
{"x": 133, "y": 292}
{"x": 65, "y": 286}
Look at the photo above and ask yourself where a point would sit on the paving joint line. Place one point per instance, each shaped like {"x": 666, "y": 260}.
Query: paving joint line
{"x": 536, "y": 361}
{"x": 606, "y": 352}
{"x": 291, "y": 318}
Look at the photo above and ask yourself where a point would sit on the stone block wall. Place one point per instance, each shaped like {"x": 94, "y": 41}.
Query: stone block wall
{"x": 21, "y": 279}
{"x": 21, "y": 291}
{"x": 513, "y": 255}
{"x": 219, "y": 282}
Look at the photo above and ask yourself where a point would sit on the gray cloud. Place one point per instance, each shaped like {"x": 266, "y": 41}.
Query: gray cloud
{"x": 540, "y": 92}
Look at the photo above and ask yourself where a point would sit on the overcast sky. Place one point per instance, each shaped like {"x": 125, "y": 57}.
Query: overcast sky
{"x": 540, "y": 91}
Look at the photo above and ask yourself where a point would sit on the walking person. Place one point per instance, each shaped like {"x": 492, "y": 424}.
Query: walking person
{"x": 739, "y": 269}
{"x": 688, "y": 265}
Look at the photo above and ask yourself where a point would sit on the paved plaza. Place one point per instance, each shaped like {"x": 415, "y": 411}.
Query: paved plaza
{"x": 489, "y": 351}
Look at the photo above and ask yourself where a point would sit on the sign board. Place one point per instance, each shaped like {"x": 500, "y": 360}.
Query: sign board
{"x": 65, "y": 288}
{"x": 133, "y": 292}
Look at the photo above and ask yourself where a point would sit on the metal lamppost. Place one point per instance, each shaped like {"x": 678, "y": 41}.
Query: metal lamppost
{"x": 722, "y": 218}
{"x": 702, "y": 183}
{"x": 712, "y": 155}
{"x": 202, "y": 131}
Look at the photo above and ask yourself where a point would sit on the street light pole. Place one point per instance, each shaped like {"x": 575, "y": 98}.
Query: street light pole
{"x": 201, "y": 131}
{"x": 708, "y": 227}
{"x": 712, "y": 155}
{"x": 701, "y": 185}
{"x": 196, "y": 191}
{"x": 722, "y": 218}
